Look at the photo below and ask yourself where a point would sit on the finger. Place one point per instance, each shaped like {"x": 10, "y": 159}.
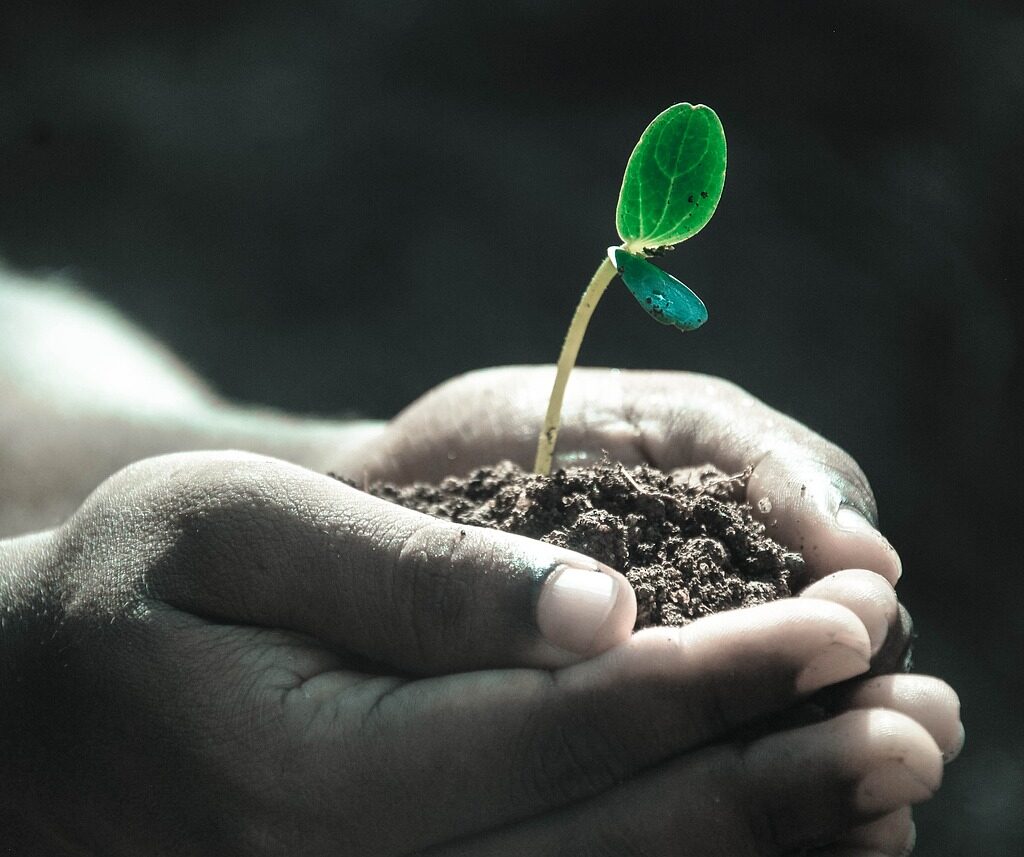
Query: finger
{"x": 929, "y": 701}
{"x": 262, "y": 542}
{"x": 893, "y": 834}
{"x": 873, "y": 599}
{"x": 540, "y": 741}
{"x": 812, "y": 495}
{"x": 867, "y": 595}
{"x": 781, "y": 793}
{"x": 805, "y": 502}
{"x": 896, "y": 653}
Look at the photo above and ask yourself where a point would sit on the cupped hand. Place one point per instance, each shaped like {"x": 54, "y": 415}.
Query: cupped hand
{"x": 812, "y": 495}
{"x": 224, "y": 654}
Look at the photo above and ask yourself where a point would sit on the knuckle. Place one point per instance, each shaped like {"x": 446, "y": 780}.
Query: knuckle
{"x": 851, "y": 478}
{"x": 149, "y": 529}
{"x": 821, "y": 467}
{"x": 838, "y": 469}
{"x": 220, "y": 482}
{"x": 149, "y": 497}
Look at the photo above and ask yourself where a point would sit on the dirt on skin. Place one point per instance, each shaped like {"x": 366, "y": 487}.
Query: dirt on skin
{"x": 687, "y": 543}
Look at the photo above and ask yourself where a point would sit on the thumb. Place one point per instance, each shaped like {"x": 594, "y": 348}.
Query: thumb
{"x": 273, "y": 544}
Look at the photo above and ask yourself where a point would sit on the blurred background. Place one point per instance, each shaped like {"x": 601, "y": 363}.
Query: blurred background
{"x": 332, "y": 206}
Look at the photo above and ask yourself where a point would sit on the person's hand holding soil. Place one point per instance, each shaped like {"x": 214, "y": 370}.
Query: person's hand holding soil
{"x": 225, "y": 654}
{"x": 812, "y": 495}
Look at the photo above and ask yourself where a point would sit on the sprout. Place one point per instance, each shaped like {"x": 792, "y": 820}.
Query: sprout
{"x": 671, "y": 187}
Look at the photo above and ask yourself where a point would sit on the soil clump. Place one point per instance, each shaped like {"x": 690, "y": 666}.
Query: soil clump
{"x": 685, "y": 540}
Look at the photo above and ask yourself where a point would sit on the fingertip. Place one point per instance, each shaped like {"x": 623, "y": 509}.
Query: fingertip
{"x": 585, "y": 611}
{"x": 857, "y": 536}
{"x": 956, "y": 746}
{"x": 846, "y": 540}
{"x": 926, "y": 699}
{"x": 846, "y": 653}
{"x": 824, "y": 643}
{"x": 866, "y": 594}
{"x": 818, "y": 509}
{"x": 618, "y": 624}
{"x": 849, "y": 771}
{"x": 906, "y": 763}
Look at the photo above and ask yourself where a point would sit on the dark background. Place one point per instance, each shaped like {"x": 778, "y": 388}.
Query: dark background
{"x": 333, "y": 206}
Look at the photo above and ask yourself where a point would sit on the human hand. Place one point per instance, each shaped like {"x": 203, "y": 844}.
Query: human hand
{"x": 812, "y": 495}
{"x": 224, "y": 654}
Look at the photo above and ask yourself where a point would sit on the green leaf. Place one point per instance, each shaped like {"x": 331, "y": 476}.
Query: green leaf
{"x": 661, "y": 294}
{"x": 673, "y": 180}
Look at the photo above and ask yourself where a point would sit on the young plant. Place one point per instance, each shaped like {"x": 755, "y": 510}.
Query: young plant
{"x": 672, "y": 184}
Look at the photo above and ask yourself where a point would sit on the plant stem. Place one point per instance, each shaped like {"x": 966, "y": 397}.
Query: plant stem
{"x": 566, "y": 360}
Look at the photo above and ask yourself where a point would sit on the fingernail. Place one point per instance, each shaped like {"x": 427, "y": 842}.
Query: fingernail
{"x": 958, "y": 745}
{"x": 892, "y": 785}
{"x": 837, "y": 663}
{"x": 851, "y": 520}
{"x": 573, "y": 606}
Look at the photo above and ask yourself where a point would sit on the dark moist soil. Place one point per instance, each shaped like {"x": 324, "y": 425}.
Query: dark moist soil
{"x": 684, "y": 539}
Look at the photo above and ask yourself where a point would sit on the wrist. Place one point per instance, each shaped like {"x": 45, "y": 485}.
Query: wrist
{"x": 22, "y": 595}
{"x": 58, "y": 455}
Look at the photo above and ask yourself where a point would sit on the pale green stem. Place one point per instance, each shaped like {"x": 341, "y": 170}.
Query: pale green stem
{"x": 566, "y": 360}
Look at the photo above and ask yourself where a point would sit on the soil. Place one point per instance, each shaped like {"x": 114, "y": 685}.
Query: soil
{"x": 685, "y": 540}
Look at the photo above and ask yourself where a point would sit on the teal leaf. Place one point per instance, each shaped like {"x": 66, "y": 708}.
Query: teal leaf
{"x": 673, "y": 180}
{"x": 661, "y": 294}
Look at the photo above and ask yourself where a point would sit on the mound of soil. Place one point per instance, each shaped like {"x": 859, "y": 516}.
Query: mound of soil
{"x": 685, "y": 540}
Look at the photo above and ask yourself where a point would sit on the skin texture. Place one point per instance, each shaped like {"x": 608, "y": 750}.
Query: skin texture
{"x": 220, "y": 653}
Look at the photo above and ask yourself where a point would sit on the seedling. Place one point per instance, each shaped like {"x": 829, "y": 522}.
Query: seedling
{"x": 672, "y": 184}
